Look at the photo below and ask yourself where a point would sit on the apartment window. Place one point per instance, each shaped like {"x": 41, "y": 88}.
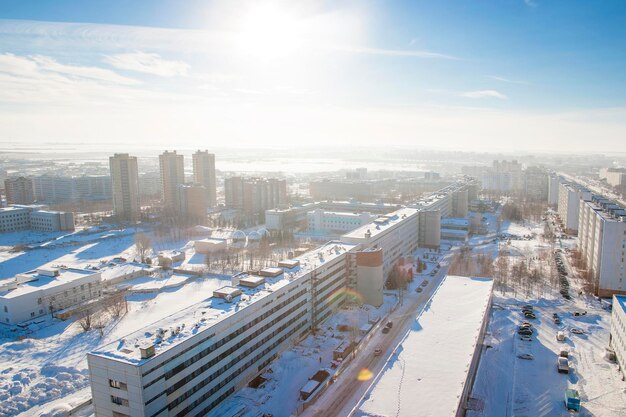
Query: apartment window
{"x": 6, "y": 309}
{"x": 32, "y": 314}
{"x": 119, "y": 400}
{"x": 39, "y": 301}
{"x": 117, "y": 384}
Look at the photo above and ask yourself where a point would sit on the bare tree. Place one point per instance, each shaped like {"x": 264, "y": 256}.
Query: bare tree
{"x": 143, "y": 244}
{"x": 86, "y": 319}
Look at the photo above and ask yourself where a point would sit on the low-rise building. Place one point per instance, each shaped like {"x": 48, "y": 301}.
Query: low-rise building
{"x": 35, "y": 217}
{"x": 44, "y": 291}
{"x": 321, "y": 221}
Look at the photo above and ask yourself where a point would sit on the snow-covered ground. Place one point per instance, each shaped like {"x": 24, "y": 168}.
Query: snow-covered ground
{"x": 51, "y": 363}
{"x": 535, "y": 388}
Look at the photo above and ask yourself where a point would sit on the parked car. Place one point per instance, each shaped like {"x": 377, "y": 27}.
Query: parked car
{"x": 526, "y": 338}
{"x": 527, "y": 306}
{"x": 389, "y": 324}
{"x": 557, "y": 321}
{"x": 530, "y": 316}
{"x": 562, "y": 365}
{"x": 525, "y": 331}
{"x": 564, "y": 353}
{"x": 425, "y": 283}
{"x": 385, "y": 330}
{"x": 378, "y": 351}
{"x": 560, "y": 336}
{"x": 572, "y": 400}
{"x": 526, "y": 356}
{"x": 554, "y": 315}
{"x": 418, "y": 289}
{"x": 576, "y": 330}
{"x": 526, "y": 324}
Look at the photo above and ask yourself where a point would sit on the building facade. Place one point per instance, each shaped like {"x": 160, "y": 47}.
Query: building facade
{"x": 570, "y": 196}
{"x": 192, "y": 367}
{"x": 602, "y": 239}
{"x": 172, "y": 168}
{"x": 321, "y": 221}
{"x": 45, "y": 291}
{"x": 19, "y": 190}
{"x": 35, "y": 217}
{"x": 192, "y": 203}
{"x": 254, "y": 195}
{"x": 125, "y": 186}
{"x": 617, "y": 339}
{"x": 204, "y": 174}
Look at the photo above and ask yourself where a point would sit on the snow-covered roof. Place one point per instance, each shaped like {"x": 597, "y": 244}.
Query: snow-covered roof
{"x": 37, "y": 282}
{"x": 429, "y": 369}
{"x": 621, "y": 302}
{"x": 215, "y": 310}
{"x": 378, "y": 226}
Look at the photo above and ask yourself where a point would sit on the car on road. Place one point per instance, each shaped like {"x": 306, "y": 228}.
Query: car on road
{"x": 526, "y": 356}
{"x": 526, "y": 338}
{"x": 555, "y": 315}
{"x": 530, "y": 316}
{"x": 527, "y": 306}
{"x": 557, "y": 321}
{"x": 385, "y": 330}
{"x": 560, "y": 336}
{"x": 425, "y": 283}
{"x": 562, "y": 365}
{"x": 378, "y": 351}
{"x": 418, "y": 289}
{"x": 525, "y": 331}
{"x": 564, "y": 353}
{"x": 389, "y": 324}
{"x": 576, "y": 330}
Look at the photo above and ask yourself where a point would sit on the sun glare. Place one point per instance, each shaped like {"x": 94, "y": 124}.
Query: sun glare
{"x": 267, "y": 31}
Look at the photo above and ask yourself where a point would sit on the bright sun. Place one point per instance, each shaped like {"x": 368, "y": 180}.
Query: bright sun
{"x": 267, "y": 31}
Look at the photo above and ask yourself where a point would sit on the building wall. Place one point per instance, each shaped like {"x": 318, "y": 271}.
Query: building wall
{"x": 195, "y": 376}
{"x": 125, "y": 186}
{"x": 19, "y": 190}
{"x": 430, "y": 228}
{"x": 172, "y": 175}
{"x": 37, "y": 303}
{"x": 618, "y": 332}
{"x": 370, "y": 279}
{"x": 323, "y": 221}
{"x": 204, "y": 174}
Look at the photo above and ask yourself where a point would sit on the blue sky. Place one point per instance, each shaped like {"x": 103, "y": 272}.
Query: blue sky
{"x": 501, "y": 75}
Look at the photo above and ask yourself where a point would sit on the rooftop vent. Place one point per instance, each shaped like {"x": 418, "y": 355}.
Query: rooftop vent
{"x": 147, "y": 351}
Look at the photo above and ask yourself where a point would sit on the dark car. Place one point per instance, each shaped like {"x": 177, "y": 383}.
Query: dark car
{"x": 389, "y": 324}
{"x": 385, "y": 330}
{"x": 527, "y": 332}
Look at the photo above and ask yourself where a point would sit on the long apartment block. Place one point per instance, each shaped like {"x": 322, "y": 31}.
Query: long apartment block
{"x": 186, "y": 364}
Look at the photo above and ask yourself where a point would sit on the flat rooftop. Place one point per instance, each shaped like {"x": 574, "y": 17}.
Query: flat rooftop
{"x": 202, "y": 316}
{"x": 376, "y": 227}
{"x": 39, "y": 282}
{"x": 428, "y": 370}
{"x": 621, "y": 302}
{"x": 454, "y": 221}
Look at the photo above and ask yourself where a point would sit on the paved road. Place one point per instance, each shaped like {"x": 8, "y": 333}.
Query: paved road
{"x": 341, "y": 397}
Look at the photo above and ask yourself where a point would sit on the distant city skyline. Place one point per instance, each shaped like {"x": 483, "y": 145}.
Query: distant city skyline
{"x": 517, "y": 75}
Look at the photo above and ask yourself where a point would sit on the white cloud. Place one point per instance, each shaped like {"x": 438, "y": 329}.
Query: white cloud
{"x": 148, "y": 63}
{"x": 506, "y": 80}
{"x": 484, "y": 94}
{"x": 390, "y": 52}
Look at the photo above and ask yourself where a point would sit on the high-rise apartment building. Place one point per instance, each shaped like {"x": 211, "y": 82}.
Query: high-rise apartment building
{"x": 255, "y": 195}
{"x": 125, "y": 186}
{"x": 172, "y": 175}
{"x": 19, "y": 190}
{"x": 192, "y": 203}
{"x": 570, "y": 195}
{"x": 204, "y": 174}
{"x": 602, "y": 239}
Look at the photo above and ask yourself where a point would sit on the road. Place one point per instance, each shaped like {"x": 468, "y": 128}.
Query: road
{"x": 341, "y": 397}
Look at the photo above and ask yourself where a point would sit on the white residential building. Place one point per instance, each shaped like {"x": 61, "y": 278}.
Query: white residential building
{"x": 602, "y": 243}
{"x": 321, "y": 221}
{"x": 570, "y": 195}
{"x": 618, "y": 332}
{"x": 46, "y": 291}
{"x": 188, "y": 363}
{"x": 35, "y": 217}
{"x": 125, "y": 186}
{"x": 553, "y": 189}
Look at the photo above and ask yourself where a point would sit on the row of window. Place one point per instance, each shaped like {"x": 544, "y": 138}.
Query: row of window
{"x": 229, "y": 366}
{"x": 236, "y": 373}
{"x": 219, "y": 343}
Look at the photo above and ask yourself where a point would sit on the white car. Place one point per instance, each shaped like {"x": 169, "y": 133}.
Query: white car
{"x": 576, "y": 330}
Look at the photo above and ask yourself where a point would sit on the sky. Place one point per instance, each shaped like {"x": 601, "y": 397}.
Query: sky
{"x": 507, "y": 75}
